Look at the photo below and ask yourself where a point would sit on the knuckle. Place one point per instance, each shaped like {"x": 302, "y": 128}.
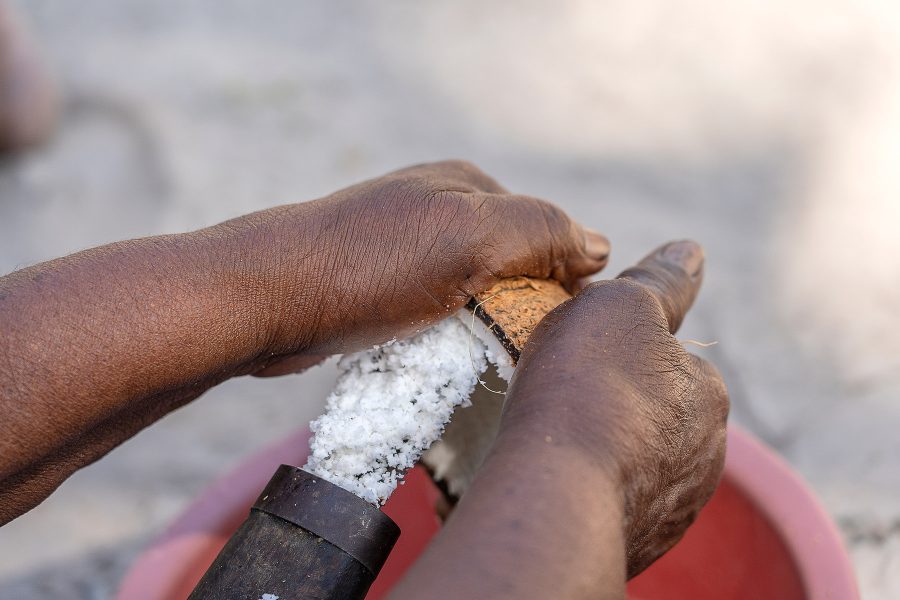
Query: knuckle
{"x": 397, "y": 190}
{"x": 421, "y": 199}
{"x": 621, "y": 296}
{"x": 537, "y": 216}
{"x": 458, "y": 164}
{"x": 630, "y": 319}
{"x": 670, "y": 282}
{"x": 557, "y": 221}
{"x": 460, "y": 172}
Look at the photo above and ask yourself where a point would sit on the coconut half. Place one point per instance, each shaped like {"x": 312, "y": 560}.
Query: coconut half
{"x": 514, "y": 307}
{"x": 504, "y": 318}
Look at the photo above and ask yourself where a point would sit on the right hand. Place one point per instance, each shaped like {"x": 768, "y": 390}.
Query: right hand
{"x": 604, "y": 375}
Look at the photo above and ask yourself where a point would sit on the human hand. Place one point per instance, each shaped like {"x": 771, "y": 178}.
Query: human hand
{"x": 390, "y": 256}
{"x": 604, "y": 376}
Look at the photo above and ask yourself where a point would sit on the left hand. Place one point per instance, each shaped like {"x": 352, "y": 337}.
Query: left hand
{"x": 390, "y": 256}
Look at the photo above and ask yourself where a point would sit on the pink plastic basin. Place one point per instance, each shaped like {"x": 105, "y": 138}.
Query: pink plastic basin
{"x": 762, "y": 536}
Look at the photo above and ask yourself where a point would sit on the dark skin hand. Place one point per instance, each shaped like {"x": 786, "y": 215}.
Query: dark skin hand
{"x": 611, "y": 440}
{"x": 100, "y": 344}
{"x": 612, "y": 437}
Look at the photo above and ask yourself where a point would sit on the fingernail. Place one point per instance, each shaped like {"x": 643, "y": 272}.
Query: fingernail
{"x": 595, "y": 244}
{"x": 686, "y": 254}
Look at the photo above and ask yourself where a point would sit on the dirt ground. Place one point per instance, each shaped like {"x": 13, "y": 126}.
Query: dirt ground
{"x": 768, "y": 131}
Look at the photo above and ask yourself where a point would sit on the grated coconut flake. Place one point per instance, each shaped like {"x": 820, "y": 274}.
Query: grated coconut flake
{"x": 390, "y": 403}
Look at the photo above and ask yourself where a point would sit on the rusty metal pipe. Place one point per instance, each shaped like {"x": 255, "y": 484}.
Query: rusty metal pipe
{"x": 304, "y": 538}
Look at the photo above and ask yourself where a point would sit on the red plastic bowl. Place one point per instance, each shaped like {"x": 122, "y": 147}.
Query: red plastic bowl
{"x": 763, "y": 535}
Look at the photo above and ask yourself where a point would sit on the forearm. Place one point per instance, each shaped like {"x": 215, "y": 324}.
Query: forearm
{"x": 539, "y": 521}
{"x": 97, "y": 345}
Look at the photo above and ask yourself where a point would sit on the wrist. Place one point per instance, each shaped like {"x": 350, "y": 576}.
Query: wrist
{"x": 583, "y": 420}
{"x": 552, "y": 449}
{"x": 577, "y": 510}
{"x": 268, "y": 268}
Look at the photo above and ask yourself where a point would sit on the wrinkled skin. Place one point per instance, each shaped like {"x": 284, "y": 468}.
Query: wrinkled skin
{"x": 612, "y": 436}
{"x": 612, "y": 439}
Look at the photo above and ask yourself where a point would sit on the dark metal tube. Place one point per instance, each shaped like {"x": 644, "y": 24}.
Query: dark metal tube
{"x": 305, "y": 538}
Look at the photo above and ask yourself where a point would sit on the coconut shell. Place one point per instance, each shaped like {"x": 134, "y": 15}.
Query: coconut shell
{"x": 513, "y": 308}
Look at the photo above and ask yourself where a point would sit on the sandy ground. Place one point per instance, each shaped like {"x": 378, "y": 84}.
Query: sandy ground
{"x": 768, "y": 131}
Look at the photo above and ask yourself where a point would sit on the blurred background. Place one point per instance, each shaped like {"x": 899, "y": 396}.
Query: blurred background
{"x": 769, "y": 131}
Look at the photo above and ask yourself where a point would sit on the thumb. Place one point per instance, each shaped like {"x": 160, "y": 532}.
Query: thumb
{"x": 672, "y": 273}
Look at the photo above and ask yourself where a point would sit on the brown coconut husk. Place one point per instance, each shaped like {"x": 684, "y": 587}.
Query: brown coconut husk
{"x": 514, "y": 307}
{"x": 511, "y": 310}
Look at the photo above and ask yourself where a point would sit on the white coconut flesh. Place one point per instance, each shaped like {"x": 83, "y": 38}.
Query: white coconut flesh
{"x": 392, "y": 402}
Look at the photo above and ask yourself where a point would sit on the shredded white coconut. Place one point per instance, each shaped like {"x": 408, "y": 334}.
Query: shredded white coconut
{"x": 392, "y": 402}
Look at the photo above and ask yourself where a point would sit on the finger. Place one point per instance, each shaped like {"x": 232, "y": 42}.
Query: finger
{"x": 673, "y": 274}
{"x": 538, "y": 239}
{"x": 290, "y": 365}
